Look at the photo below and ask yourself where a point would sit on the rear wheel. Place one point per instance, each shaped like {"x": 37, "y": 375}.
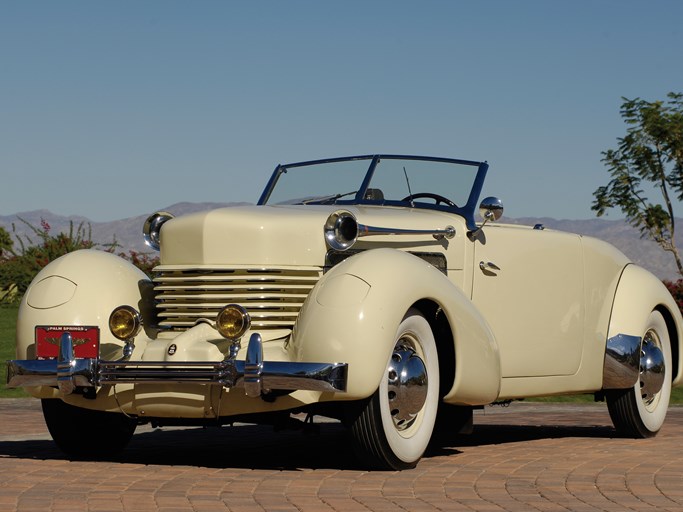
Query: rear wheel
{"x": 640, "y": 410}
{"x": 395, "y": 425}
{"x": 85, "y": 433}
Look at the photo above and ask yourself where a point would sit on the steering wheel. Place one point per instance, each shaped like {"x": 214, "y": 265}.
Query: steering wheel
{"x": 438, "y": 198}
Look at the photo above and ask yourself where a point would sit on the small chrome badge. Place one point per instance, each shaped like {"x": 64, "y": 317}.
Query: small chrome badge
{"x": 172, "y": 349}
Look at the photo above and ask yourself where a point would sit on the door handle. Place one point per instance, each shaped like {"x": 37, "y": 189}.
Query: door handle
{"x": 488, "y": 266}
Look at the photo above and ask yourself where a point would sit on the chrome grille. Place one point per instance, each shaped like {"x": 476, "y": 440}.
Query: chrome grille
{"x": 272, "y": 296}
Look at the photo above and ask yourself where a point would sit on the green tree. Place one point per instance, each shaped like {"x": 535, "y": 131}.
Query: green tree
{"x": 649, "y": 156}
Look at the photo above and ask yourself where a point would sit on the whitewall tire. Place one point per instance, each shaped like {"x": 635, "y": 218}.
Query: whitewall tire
{"x": 640, "y": 411}
{"x": 395, "y": 426}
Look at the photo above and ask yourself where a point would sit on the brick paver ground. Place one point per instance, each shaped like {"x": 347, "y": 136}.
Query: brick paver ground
{"x": 539, "y": 457}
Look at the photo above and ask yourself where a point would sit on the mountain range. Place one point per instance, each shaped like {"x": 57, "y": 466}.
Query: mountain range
{"x": 127, "y": 233}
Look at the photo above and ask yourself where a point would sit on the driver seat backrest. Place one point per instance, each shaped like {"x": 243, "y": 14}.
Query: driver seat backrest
{"x": 374, "y": 194}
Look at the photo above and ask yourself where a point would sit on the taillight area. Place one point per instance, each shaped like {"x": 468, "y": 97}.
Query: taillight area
{"x": 86, "y": 340}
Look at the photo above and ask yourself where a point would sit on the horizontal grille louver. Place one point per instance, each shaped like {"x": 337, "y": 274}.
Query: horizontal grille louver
{"x": 273, "y": 296}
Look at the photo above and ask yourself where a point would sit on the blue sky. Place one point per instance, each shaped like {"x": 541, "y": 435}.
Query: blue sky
{"x": 115, "y": 109}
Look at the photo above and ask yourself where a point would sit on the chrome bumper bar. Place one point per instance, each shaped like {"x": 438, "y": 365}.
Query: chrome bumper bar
{"x": 253, "y": 374}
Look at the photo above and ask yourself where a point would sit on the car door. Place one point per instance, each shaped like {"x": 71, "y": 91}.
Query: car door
{"x": 528, "y": 283}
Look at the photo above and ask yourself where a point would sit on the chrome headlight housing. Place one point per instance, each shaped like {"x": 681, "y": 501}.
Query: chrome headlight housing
{"x": 152, "y": 228}
{"x": 341, "y": 230}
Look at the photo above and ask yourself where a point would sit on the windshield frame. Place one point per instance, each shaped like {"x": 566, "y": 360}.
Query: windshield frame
{"x": 467, "y": 211}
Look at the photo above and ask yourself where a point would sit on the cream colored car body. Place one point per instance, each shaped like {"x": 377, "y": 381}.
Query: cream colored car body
{"x": 534, "y": 326}
{"x": 515, "y": 311}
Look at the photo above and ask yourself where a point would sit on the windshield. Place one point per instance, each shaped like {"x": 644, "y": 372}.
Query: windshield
{"x": 420, "y": 182}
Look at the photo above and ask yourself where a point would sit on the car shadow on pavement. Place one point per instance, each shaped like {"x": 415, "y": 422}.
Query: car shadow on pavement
{"x": 496, "y": 434}
{"x": 259, "y": 447}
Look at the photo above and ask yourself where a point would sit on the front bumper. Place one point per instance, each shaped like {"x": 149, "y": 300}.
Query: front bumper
{"x": 253, "y": 374}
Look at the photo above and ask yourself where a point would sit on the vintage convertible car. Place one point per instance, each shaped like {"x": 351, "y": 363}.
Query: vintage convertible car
{"x": 361, "y": 289}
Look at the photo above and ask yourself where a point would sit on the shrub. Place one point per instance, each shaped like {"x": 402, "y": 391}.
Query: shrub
{"x": 676, "y": 290}
{"x": 19, "y": 267}
{"x": 5, "y": 241}
{"x": 142, "y": 260}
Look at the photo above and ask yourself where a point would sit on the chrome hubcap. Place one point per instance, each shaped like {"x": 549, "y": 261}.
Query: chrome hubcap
{"x": 407, "y": 385}
{"x": 652, "y": 368}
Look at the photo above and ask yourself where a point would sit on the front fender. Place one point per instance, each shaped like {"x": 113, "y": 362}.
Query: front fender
{"x": 638, "y": 294}
{"x": 81, "y": 288}
{"x": 354, "y": 310}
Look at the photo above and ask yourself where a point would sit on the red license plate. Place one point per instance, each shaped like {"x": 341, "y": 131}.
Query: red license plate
{"x": 85, "y": 339}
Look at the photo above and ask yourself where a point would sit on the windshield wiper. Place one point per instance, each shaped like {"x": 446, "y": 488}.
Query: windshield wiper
{"x": 328, "y": 199}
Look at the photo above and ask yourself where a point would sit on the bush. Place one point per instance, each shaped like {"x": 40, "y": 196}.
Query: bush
{"x": 19, "y": 267}
{"x": 676, "y": 291}
{"x": 142, "y": 260}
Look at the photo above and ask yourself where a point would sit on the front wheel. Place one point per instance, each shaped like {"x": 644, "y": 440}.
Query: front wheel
{"x": 84, "y": 433}
{"x": 395, "y": 425}
{"x": 640, "y": 411}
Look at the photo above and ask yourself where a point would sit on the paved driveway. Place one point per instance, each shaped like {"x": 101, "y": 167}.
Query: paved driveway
{"x": 525, "y": 457}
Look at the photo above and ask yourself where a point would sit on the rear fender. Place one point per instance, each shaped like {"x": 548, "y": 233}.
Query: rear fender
{"x": 354, "y": 310}
{"x": 638, "y": 294}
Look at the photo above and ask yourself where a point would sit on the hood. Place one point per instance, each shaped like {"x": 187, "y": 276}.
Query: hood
{"x": 273, "y": 235}
{"x": 245, "y": 235}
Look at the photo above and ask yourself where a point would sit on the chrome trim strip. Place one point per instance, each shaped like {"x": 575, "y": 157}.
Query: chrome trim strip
{"x": 622, "y": 362}
{"x": 447, "y": 232}
{"x": 254, "y": 374}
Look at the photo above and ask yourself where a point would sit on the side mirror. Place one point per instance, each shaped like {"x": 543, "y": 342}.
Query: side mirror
{"x": 491, "y": 209}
